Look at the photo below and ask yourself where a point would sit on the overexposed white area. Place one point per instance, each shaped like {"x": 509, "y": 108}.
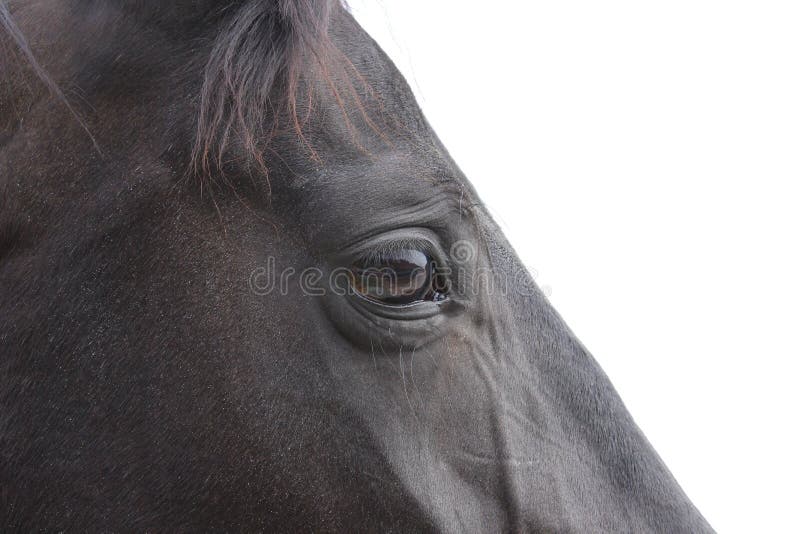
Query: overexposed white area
{"x": 644, "y": 159}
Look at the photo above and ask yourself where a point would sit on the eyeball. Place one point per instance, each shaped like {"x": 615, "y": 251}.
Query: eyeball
{"x": 398, "y": 278}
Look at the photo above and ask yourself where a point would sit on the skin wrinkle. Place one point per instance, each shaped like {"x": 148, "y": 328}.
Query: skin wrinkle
{"x": 146, "y": 386}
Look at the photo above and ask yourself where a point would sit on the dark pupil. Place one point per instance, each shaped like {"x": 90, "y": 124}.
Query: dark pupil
{"x": 401, "y": 277}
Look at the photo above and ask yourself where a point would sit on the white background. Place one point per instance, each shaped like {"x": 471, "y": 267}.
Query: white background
{"x": 643, "y": 158}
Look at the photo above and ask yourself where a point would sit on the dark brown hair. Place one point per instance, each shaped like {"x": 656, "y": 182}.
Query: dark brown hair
{"x": 264, "y": 46}
{"x": 251, "y": 74}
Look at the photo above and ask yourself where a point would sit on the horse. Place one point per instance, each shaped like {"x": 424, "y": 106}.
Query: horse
{"x": 245, "y": 287}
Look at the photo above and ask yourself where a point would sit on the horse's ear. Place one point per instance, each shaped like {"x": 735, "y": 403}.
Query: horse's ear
{"x": 263, "y": 45}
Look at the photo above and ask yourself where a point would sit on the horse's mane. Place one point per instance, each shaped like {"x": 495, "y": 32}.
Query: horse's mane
{"x": 252, "y": 73}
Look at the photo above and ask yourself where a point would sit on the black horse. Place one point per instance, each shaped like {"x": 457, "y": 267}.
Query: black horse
{"x": 244, "y": 287}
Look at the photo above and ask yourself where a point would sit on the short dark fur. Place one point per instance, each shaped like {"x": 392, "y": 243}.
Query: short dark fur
{"x": 146, "y": 383}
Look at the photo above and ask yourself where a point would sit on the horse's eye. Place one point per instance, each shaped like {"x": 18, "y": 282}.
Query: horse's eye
{"x": 398, "y": 278}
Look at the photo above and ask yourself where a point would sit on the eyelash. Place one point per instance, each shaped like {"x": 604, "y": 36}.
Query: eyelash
{"x": 379, "y": 251}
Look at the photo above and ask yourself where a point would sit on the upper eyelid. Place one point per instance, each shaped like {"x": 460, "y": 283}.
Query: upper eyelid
{"x": 385, "y": 248}
{"x": 421, "y": 238}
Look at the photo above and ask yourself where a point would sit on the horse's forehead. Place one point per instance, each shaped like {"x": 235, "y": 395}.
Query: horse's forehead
{"x": 380, "y": 86}
{"x": 376, "y": 159}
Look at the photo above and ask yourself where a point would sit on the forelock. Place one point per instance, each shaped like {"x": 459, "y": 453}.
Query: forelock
{"x": 252, "y": 76}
